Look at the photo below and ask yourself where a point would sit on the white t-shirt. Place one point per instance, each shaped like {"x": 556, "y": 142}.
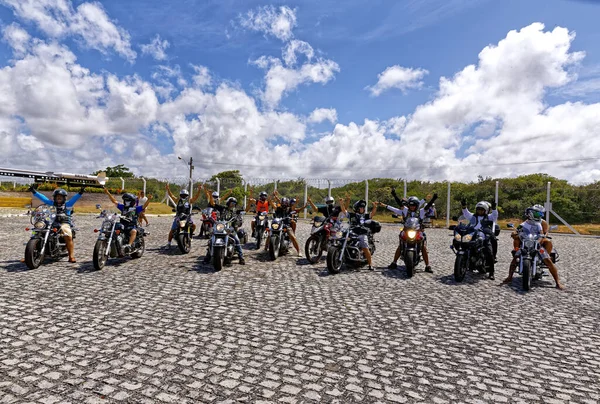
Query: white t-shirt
{"x": 142, "y": 201}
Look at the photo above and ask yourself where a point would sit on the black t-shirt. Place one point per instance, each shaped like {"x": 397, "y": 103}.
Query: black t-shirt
{"x": 224, "y": 212}
{"x": 282, "y": 212}
{"x": 329, "y": 210}
{"x": 183, "y": 206}
{"x": 358, "y": 219}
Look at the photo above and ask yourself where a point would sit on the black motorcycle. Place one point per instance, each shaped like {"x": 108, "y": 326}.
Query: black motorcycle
{"x": 222, "y": 244}
{"x": 468, "y": 245}
{"x": 183, "y": 231}
{"x": 112, "y": 238}
{"x": 411, "y": 238}
{"x": 45, "y": 240}
{"x": 344, "y": 245}
{"x": 260, "y": 228}
{"x": 279, "y": 239}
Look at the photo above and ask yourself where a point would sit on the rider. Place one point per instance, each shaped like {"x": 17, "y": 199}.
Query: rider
{"x": 284, "y": 211}
{"x": 226, "y": 212}
{"x": 292, "y": 208}
{"x": 329, "y": 210}
{"x": 262, "y": 205}
{"x": 131, "y": 211}
{"x": 482, "y": 213}
{"x": 184, "y": 205}
{"x": 63, "y": 213}
{"x": 412, "y": 210}
{"x": 358, "y": 218}
{"x": 537, "y": 225}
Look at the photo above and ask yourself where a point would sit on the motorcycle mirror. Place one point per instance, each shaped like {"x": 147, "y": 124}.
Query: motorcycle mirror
{"x": 98, "y": 206}
{"x": 510, "y": 225}
{"x": 173, "y": 210}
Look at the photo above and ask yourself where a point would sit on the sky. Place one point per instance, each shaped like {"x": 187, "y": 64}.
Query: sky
{"x": 416, "y": 89}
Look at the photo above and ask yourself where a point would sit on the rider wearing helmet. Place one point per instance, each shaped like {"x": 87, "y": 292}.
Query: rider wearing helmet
{"x": 184, "y": 205}
{"x": 63, "y": 213}
{"x": 262, "y": 205}
{"x": 534, "y": 223}
{"x": 284, "y": 210}
{"x": 291, "y": 207}
{"x": 226, "y": 212}
{"x": 358, "y": 218}
{"x": 329, "y": 210}
{"x": 131, "y": 212}
{"x": 482, "y": 214}
{"x": 411, "y": 209}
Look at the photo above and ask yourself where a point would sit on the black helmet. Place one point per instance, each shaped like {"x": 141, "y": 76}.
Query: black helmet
{"x": 413, "y": 201}
{"x": 293, "y": 201}
{"x": 183, "y": 194}
{"x": 231, "y": 199}
{"x": 262, "y": 196}
{"x": 128, "y": 199}
{"x": 59, "y": 191}
{"x": 285, "y": 202}
{"x": 359, "y": 204}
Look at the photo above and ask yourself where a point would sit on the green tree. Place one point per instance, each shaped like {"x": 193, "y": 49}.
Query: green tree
{"x": 233, "y": 178}
{"x": 116, "y": 172}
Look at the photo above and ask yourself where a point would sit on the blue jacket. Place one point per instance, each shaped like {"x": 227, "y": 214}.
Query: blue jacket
{"x": 68, "y": 204}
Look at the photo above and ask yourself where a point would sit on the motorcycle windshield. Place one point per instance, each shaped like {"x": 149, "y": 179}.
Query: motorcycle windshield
{"x": 412, "y": 223}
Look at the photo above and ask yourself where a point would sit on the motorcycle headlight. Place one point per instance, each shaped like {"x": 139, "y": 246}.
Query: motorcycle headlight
{"x": 412, "y": 233}
{"x": 40, "y": 224}
{"x": 468, "y": 237}
{"x": 182, "y": 224}
{"x": 275, "y": 226}
{"x": 457, "y": 237}
{"x": 529, "y": 244}
{"x": 220, "y": 227}
{"x": 339, "y": 234}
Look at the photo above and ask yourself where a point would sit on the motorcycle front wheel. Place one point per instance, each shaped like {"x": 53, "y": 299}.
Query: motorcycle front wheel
{"x": 33, "y": 256}
{"x": 409, "y": 263}
{"x": 217, "y": 258}
{"x": 334, "y": 264}
{"x": 274, "y": 247}
{"x": 259, "y": 236}
{"x": 100, "y": 256}
{"x": 526, "y": 275}
{"x": 312, "y": 249}
{"x": 184, "y": 242}
{"x": 460, "y": 267}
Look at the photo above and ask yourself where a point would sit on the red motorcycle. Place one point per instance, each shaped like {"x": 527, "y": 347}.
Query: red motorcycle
{"x": 317, "y": 242}
{"x": 209, "y": 217}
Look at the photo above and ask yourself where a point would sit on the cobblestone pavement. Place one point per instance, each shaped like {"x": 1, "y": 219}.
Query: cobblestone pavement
{"x": 165, "y": 328}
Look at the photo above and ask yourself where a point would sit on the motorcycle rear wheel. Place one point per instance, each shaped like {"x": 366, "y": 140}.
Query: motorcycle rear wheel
{"x": 141, "y": 249}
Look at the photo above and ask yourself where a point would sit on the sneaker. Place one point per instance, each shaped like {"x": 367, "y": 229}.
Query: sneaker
{"x": 242, "y": 261}
{"x": 370, "y": 268}
{"x": 168, "y": 244}
{"x": 428, "y": 269}
{"x": 393, "y": 265}
{"x": 491, "y": 277}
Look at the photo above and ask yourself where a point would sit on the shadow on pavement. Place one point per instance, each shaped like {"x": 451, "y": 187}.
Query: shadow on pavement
{"x": 14, "y": 266}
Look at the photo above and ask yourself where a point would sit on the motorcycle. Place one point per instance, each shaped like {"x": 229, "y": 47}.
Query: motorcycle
{"x": 183, "y": 231}
{"x": 531, "y": 254}
{"x": 222, "y": 244}
{"x": 112, "y": 239}
{"x": 260, "y": 228}
{"x": 468, "y": 246}
{"x": 45, "y": 237}
{"x": 279, "y": 239}
{"x": 317, "y": 242}
{"x": 344, "y": 246}
{"x": 411, "y": 237}
{"x": 209, "y": 217}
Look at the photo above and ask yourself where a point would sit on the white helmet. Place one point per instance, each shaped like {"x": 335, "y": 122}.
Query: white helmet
{"x": 482, "y": 205}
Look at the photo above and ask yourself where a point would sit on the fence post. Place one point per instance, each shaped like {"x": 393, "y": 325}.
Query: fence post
{"x": 218, "y": 185}
{"x": 305, "y": 197}
{"x": 329, "y": 188}
{"x": 144, "y": 180}
{"x": 14, "y": 184}
{"x": 367, "y": 193}
{"x": 122, "y": 183}
{"x": 496, "y": 194}
{"x": 245, "y": 193}
{"x": 405, "y": 188}
{"x": 448, "y": 207}
{"x": 548, "y": 204}
{"x": 275, "y": 186}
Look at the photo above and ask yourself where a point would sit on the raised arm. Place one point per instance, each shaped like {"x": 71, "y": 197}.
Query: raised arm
{"x": 312, "y": 205}
{"x": 431, "y": 201}
{"x": 396, "y": 198}
{"x": 226, "y": 194}
{"x": 465, "y": 212}
{"x": 39, "y": 195}
{"x": 112, "y": 198}
{"x": 494, "y": 214}
{"x": 170, "y": 193}
{"x": 195, "y": 198}
{"x": 147, "y": 202}
{"x": 276, "y": 196}
{"x": 374, "y": 210}
{"x": 393, "y": 209}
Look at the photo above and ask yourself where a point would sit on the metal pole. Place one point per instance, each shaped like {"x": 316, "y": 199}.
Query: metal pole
{"x": 245, "y": 193}
{"x": 405, "y": 188}
{"x": 14, "y": 184}
{"x": 367, "y": 192}
{"x": 496, "y": 194}
{"x": 218, "y": 185}
{"x": 144, "y": 180}
{"x": 191, "y": 180}
{"x": 122, "y": 184}
{"x": 275, "y": 186}
{"x": 329, "y": 188}
{"x": 448, "y": 207}
{"x": 305, "y": 197}
{"x": 548, "y": 204}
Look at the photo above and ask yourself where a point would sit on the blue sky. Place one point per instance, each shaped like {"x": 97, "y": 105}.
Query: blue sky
{"x": 362, "y": 38}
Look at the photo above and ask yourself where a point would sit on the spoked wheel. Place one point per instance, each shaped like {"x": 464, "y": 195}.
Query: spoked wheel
{"x": 312, "y": 249}
{"x": 334, "y": 264}
{"x": 33, "y": 253}
{"x": 100, "y": 256}
{"x": 141, "y": 249}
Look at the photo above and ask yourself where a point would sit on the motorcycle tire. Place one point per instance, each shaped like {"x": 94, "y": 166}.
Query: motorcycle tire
{"x": 460, "y": 267}
{"x": 259, "y": 236}
{"x": 526, "y": 275}
{"x": 184, "y": 242}
{"x": 100, "y": 257}
{"x": 333, "y": 264}
{"x": 409, "y": 263}
{"x": 141, "y": 249}
{"x": 313, "y": 242}
{"x": 33, "y": 258}
{"x": 274, "y": 247}
{"x": 217, "y": 259}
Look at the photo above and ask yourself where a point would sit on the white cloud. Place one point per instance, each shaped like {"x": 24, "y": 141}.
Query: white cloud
{"x": 296, "y": 46}
{"x": 402, "y": 78}
{"x": 17, "y": 38}
{"x": 89, "y": 23}
{"x": 323, "y": 114}
{"x": 202, "y": 77}
{"x": 396, "y": 125}
{"x": 156, "y": 48}
{"x": 278, "y": 22}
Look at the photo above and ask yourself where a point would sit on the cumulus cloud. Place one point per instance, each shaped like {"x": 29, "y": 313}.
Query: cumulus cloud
{"x": 156, "y": 48}
{"x": 402, "y": 78}
{"x": 88, "y": 23}
{"x": 17, "y": 38}
{"x": 323, "y": 114}
{"x": 278, "y": 22}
